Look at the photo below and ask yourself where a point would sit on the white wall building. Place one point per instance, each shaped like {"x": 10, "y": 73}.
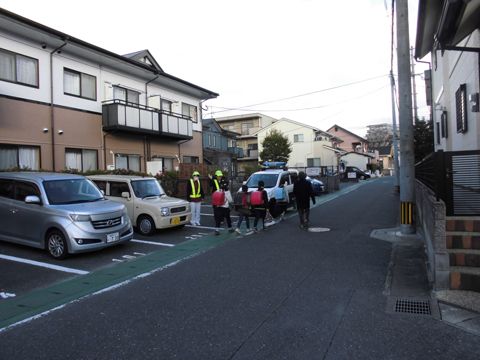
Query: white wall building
{"x": 311, "y": 147}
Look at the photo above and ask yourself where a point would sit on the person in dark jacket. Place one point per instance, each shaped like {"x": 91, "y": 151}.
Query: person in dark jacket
{"x": 220, "y": 212}
{"x": 303, "y": 191}
{"x": 260, "y": 211}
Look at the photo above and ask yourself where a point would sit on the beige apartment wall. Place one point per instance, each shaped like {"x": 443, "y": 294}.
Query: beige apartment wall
{"x": 193, "y": 147}
{"x": 22, "y": 123}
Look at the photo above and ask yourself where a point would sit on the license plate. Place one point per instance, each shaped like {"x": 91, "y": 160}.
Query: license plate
{"x": 113, "y": 237}
{"x": 175, "y": 221}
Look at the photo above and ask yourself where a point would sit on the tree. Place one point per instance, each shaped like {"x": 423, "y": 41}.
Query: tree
{"x": 276, "y": 147}
{"x": 423, "y": 139}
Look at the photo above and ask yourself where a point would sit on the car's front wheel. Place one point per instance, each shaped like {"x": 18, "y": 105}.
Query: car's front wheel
{"x": 145, "y": 225}
{"x": 57, "y": 245}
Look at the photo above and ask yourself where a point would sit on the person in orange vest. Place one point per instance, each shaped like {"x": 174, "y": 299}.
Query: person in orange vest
{"x": 195, "y": 196}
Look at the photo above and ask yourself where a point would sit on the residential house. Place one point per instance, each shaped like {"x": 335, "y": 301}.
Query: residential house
{"x": 247, "y": 125}
{"x": 68, "y": 104}
{"x": 448, "y": 181}
{"x": 360, "y": 160}
{"x": 351, "y": 141}
{"x": 311, "y": 147}
{"x": 220, "y": 147}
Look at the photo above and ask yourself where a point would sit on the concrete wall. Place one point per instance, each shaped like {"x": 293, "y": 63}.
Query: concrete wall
{"x": 431, "y": 222}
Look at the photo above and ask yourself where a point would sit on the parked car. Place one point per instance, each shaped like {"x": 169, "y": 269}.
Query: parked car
{"x": 362, "y": 175}
{"x": 147, "y": 204}
{"x": 62, "y": 213}
{"x": 272, "y": 179}
{"x": 317, "y": 185}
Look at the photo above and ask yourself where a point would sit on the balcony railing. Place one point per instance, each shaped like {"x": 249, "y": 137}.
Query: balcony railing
{"x": 238, "y": 151}
{"x": 120, "y": 115}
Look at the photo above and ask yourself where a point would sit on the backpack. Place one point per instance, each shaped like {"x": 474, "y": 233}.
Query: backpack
{"x": 279, "y": 193}
{"x": 256, "y": 198}
{"x": 218, "y": 198}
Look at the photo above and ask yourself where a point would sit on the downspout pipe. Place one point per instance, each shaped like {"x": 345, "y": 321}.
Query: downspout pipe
{"x": 146, "y": 143}
{"x": 52, "y": 112}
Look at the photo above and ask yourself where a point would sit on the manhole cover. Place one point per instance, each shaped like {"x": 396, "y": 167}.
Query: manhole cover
{"x": 410, "y": 306}
{"x": 318, "y": 229}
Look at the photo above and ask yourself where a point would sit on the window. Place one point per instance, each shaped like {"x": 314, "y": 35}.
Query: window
{"x": 438, "y": 132}
{"x": 298, "y": 138}
{"x": 252, "y": 146}
{"x": 130, "y": 162}
{"x": 313, "y": 162}
{"x": 190, "y": 110}
{"x": 18, "y": 68}
{"x": 461, "y": 107}
{"x": 126, "y": 95}
{"x": 166, "y": 105}
{"x": 444, "y": 124}
{"x": 79, "y": 84}
{"x": 102, "y": 185}
{"x": 246, "y": 126}
{"x": 24, "y": 189}
{"x": 6, "y": 189}
{"x": 168, "y": 164}
{"x": 116, "y": 188}
{"x": 23, "y": 157}
{"x": 191, "y": 160}
{"x": 81, "y": 159}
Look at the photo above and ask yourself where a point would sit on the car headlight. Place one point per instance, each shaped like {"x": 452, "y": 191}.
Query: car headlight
{"x": 78, "y": 218}
{"x": 165, "y": 211}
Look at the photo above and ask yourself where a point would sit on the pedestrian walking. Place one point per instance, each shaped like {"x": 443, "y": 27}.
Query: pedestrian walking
{"x": 221, "y": 199}
{"x": 259, "y": 202}
{"x": 243, "y": 210}
{"x": 302, "y": 189}
{"x": 195, "y": 196}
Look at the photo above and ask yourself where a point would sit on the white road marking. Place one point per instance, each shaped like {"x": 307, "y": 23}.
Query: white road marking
{"x": 202, "y": 227}
{"x": 129, "y": 257}
{"x": 43, "y": 264}
{"x": 152, "y": 242}
{"x": 117, "y": 260}
{"x": 137, "y": 253}
{"x": 6, "y": 295}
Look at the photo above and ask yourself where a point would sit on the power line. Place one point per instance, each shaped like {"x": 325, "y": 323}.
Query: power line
{"x": 300, "y": 95}
{"x": 297, "y": 109}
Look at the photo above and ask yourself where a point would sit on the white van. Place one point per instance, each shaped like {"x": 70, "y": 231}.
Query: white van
{"x": 147, "y": 204}
{"x": 272, "y": 179}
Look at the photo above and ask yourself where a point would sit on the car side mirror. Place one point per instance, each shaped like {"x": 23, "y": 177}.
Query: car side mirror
{"x": 32, "y": 199}
{"x": 126, "y": 195}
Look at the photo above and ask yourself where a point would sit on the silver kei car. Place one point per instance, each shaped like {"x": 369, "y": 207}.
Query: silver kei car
{"x": 62, "y": 213}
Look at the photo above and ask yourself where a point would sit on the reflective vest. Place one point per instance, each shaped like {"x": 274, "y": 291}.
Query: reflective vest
{"x": 217, "y": 185}
{"x": 194, "y": 195}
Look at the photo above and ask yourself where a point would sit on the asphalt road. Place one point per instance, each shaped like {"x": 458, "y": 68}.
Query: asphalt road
{"x": 279, "y": 294}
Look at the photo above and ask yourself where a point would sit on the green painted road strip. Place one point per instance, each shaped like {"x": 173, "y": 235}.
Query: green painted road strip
{"x": 41, "y": 301}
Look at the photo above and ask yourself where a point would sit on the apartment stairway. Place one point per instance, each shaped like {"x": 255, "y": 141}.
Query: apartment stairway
{"x": 463, "y": 246}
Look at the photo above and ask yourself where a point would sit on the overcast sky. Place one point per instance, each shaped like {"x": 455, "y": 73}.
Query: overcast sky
{"x": 253, "y": 52}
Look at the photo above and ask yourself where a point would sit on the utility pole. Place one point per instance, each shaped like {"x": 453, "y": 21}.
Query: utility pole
{"x": 414, "y": 86}
{"x": 407, "y": 166}
{"x": 395, "y": 135}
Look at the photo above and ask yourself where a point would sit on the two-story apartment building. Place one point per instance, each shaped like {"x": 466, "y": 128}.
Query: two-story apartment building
{"x": 68, "y": 104}
{"x": 220, "y": 147}
{"x": 311, "y": 147}
{"x": 247, "y": 126}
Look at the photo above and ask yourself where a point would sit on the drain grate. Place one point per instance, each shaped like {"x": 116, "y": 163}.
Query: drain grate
{"x": 409, "y": 306}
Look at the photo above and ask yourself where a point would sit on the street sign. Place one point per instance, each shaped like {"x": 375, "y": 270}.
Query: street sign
{"x": 313, "y": 171}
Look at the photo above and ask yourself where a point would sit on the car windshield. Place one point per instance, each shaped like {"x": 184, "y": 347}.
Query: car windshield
{"x": 270, "y": 180}
{"x": 71, "y": 191}
{"x": 146, "y": 188}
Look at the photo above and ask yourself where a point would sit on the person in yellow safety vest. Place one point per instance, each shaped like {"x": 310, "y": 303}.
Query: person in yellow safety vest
{"x": 195, "y": 195}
